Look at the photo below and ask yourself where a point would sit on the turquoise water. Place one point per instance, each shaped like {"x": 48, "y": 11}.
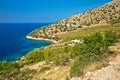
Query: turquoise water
{"x": 13, "y": 42}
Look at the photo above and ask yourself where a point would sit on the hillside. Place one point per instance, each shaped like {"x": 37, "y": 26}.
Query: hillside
{"x": 87, "y": 48}
{"x": 72, "y": 61}
{"x": 69, "y": 60}
{"x": 103, "y": 15}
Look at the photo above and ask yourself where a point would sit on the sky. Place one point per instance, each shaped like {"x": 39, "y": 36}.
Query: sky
{"x": 43, "y": 10}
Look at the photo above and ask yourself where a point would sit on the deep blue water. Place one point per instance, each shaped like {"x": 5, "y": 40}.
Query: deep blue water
{"x": 13, "y": 42}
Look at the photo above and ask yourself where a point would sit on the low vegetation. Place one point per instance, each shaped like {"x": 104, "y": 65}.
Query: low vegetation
{"x": 11, "y": 71}
{"x": 78, "y": 56}
{"x": 93, "y": 49}
{"x": 59, "y": 56}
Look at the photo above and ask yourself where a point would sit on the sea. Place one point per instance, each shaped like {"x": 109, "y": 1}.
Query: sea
{"x": 13, "y": 41}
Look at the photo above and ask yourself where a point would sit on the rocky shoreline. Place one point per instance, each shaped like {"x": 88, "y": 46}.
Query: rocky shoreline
{"x": 44, "y": 39}
{"x": 33, "y": 38}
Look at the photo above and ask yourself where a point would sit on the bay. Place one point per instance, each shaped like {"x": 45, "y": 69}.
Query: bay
{"x": 13, "y": 42}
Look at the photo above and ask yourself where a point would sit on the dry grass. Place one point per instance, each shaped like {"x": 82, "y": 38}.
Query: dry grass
{"x": 55, "y": 72}
{"x": 94, "y": 66}
{"x": 112, "y": 56}
{"x": 59, "y": 74}
{"x": 98, "y": 65}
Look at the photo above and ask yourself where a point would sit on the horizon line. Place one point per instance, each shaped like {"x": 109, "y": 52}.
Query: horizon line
{"x": 26, "y": 22}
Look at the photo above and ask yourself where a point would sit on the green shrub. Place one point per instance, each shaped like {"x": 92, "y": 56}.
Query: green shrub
{"x": 61, "y": 59}
{"x": 34, "y": 56}
{"x": 78, "y": 66}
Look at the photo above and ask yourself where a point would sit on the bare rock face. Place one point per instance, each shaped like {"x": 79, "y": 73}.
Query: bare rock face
{"x": 102, "y": 15}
